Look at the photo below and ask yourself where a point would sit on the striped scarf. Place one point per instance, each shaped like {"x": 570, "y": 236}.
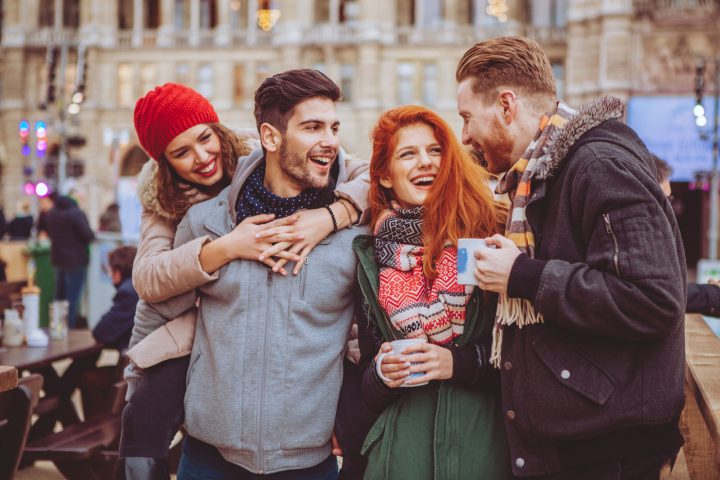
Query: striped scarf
{"x": 417, "y": 306}
{"x": 517, "y": 182}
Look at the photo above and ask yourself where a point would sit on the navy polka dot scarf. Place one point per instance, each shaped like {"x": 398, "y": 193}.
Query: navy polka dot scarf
{"x": 255, "y": 199}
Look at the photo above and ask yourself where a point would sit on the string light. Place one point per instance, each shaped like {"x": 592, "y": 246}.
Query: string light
{"x": 267, "y": 18}
{"x": 498, "y": 9}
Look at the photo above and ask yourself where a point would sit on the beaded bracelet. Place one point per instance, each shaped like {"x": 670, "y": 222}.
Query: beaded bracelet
{"x": 332, "y": 215}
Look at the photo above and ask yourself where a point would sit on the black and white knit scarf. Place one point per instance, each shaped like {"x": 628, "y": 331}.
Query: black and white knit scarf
{"x": 255, "y": 199}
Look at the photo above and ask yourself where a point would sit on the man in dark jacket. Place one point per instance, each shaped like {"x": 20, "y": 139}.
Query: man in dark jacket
{"x": 70, "y": 236}
{"x": 591, "y": 266}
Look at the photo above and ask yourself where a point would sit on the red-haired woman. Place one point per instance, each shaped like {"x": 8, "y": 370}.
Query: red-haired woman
{"x": 425, "y": 194}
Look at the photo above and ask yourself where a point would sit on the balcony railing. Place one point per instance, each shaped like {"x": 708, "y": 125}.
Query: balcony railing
{"x": 677, "y": 11}
{"x": 700, "y": 421}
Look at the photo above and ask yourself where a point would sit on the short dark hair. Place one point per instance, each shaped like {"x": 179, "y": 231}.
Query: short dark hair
{"x": 121, "y": 259}
{"x": 662, "y": 169}
{"x": 278, "y": 95}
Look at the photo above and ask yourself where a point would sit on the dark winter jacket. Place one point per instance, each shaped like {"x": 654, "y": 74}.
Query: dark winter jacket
{"x": 602, "y": 378}
{"x": 20, "y": 228}
{"x": 70, "y": 234}
{"x": 704, "y": 299}
{"x": 115, "y": 327}
{"x": 446, "y": 430}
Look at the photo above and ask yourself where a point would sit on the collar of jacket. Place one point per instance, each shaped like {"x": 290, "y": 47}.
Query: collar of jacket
{"x": 588, "y": 117}
{"x": 247, "y": 165}
{"x": 368, "y": 276}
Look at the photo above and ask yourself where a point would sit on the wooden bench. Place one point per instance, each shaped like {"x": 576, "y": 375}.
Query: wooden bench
{"x": 83, "y": 451}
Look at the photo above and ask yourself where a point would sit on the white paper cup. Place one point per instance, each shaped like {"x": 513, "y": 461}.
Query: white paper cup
{"x": 397, "y": 348}
{"x": 466, "y": 259}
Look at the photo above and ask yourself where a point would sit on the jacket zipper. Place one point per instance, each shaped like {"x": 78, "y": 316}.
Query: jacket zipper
{"x": 616, "y": 254}
{"x": 263, "y": 374}
{"x": 303, "y": 278}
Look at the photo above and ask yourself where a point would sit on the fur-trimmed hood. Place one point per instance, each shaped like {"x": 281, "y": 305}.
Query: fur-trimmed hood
{"x": 147, "y": 189}
{"x": 588, "y": 116}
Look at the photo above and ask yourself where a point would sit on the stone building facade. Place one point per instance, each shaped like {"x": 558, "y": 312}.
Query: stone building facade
{"x": 382, "y": 53}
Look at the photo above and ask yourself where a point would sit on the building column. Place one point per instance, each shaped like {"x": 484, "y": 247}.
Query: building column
{"x": 194, "y": 39}
{"x": 252, "y": 22}
{"x": 58, "y": 22}
{"x": 334, "y": 12}
{"x": 222, "y": 29}
{"x": 166, "y": 30}
{"x": 419, "y": 14}
{"x": 137, "y": 35}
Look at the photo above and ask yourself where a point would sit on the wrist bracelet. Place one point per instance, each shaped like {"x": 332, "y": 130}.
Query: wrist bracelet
{"x": 347, "y": 209}
{"x": 332, "y": 216}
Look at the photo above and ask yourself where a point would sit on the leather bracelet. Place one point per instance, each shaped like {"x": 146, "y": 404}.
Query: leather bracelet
{"x": 332, "y": 215}
{"x": 342, "y": 202}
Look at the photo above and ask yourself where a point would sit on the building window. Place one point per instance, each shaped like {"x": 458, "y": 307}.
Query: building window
{"x": 71, "y": 13}
{"x": 182, "y": 15}
{"x": 466, "y": 12}
{"x": 349, "y": 10}
{"x": 347, "y": 76}
{"x": 322, "y": 11}
{"x": 405, "y": 12}
{"x": 182, "y": 74}
{"x": 405, "y": 83}
{"x": 125, "y": 86}
{"x": 432, "y": 13}
{"x": 430, "y": 84}
{"x": 206, "y": 81}
{"x": 559, "y": 72}
{"x": 125, "y": 14}
{"x": 151, "y": 19}
{"x": 238, "y": 14}
{"x": 239, "y": 84}
{"x": 208, "y": 15}
{"x": 549, "y": 13}
{"x": 46, "y": 14}
{"x": 148, "y": 77}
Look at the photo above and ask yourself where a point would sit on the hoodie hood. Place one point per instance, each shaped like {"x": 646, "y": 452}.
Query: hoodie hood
{"x": 65, "y": 203}
{"x": 588, "y": 117}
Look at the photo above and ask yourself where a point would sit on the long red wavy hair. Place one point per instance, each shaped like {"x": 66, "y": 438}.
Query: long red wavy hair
{"x": 460, "y": 202}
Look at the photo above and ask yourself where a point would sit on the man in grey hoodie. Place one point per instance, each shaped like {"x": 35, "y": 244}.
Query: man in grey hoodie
{"x": 266, "y": 365}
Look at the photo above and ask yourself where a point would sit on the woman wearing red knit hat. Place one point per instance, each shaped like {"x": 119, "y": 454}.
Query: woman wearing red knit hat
{"x": 194, "y": 158}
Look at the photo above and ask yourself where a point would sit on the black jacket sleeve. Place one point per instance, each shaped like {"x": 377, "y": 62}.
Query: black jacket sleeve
{"x": 703, "y": 299}
{"x": 115, "y": 326}
{"x": 631, "y": 282}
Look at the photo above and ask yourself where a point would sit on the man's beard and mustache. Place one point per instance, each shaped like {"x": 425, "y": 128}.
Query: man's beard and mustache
{"x": 496, "y": 154}
{"x": 297, "y": 168}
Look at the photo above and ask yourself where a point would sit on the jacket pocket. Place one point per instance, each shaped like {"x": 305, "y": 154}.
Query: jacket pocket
{"x": 376, "y": 433}
{"x": 566, "y": 393}
{"x": 571, "y": 369}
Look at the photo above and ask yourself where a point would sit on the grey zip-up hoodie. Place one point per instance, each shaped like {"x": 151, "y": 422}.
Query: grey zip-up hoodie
{"x": 266, "y": 366}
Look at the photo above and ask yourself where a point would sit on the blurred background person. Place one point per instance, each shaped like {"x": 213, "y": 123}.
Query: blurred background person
{"x": 70, "y": 235}
{"x": 20, "y": 227}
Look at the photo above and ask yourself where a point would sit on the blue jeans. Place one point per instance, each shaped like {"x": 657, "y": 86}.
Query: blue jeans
{"x": 68, "y": 285}
{"x": 201, "y": 461}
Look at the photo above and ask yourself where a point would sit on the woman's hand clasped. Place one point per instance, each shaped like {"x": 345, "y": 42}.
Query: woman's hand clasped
{"x": 434, "y": 361}
{"x": 252, "y": 238}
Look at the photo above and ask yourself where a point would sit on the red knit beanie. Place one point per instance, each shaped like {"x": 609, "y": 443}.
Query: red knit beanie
{"x": 167, "y": 111}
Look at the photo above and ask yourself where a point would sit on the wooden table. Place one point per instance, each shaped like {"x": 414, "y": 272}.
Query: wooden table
{"x": 82, "y": 349}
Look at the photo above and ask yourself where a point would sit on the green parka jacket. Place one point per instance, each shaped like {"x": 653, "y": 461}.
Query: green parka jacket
{"x": 446, "y": 430}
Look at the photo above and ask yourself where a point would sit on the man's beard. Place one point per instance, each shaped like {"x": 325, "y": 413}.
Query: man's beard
{"x": 497, "y": 150}
{"x": 296, "y": 167}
